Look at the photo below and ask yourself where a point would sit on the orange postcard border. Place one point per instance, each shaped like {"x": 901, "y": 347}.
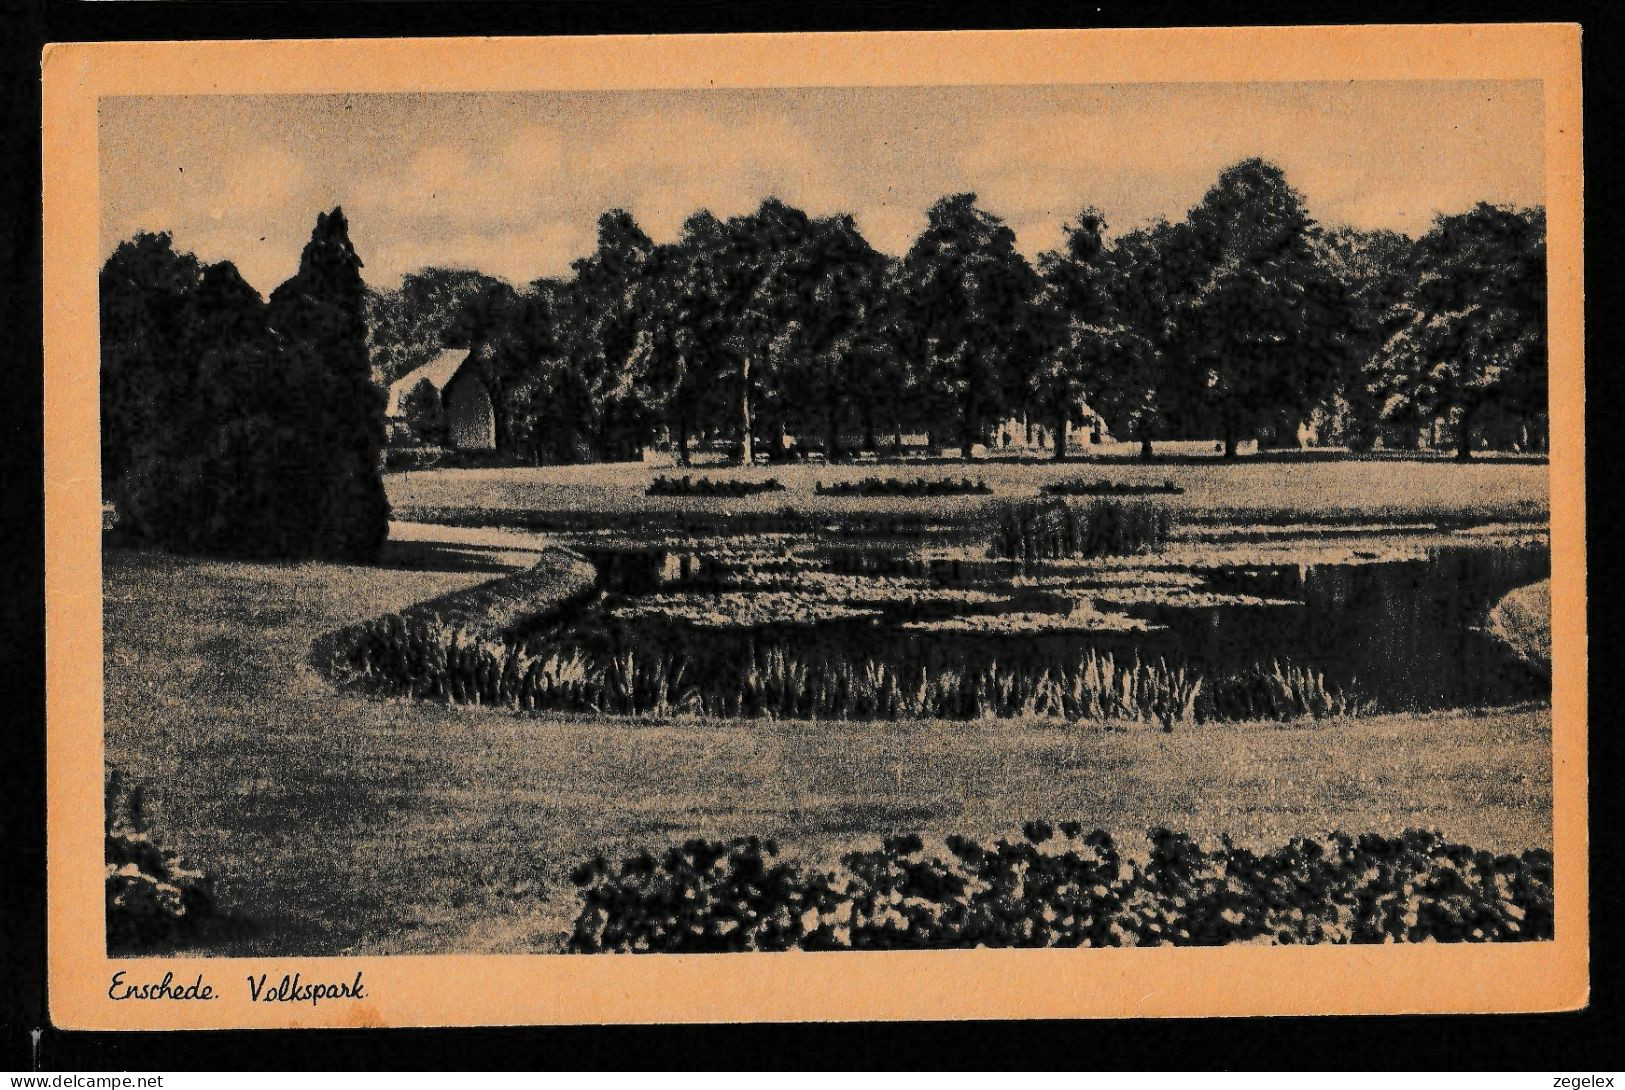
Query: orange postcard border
{"x": 455, "y": 990}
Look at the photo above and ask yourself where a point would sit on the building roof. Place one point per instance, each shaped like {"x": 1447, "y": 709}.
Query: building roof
{"x": 439, "y": 371}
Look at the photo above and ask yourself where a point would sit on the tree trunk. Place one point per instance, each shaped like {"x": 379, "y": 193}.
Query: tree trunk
{"x": 1145, "y": 448}
{"x": 1464, "y": 438}
{"x": 832, "y": 416}
{"x": 1229, "y": 434}
{"x": 500, "y": 419}
{"x": 1229, "y": 420}
{"x": 968, "y": 424}
{"x": 682, "y": 439}
{"x": 747, "y": 448}
{"x": 869, "y": 425}
{"x": 605, "y": 432}
{"x": 1060, "y": 434}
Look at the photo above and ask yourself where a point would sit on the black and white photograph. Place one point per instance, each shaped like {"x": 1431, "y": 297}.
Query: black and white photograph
{"x": 744, "y": 520}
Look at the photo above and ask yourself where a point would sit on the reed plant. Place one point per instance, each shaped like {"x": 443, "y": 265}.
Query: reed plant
{"x": 1283, "y": 690}
{"x": 1053, "y": 529}
{"x": 428, "y": 659}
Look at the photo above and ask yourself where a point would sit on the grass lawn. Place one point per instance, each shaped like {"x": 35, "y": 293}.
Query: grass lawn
{"x": 341, "y": 823}
{"x": 1269, "y": 488}
{"x": 1523, "y": 620}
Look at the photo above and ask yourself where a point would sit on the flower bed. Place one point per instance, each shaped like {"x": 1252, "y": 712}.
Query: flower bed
{"x": 1058, "y": 886}
{"x": 893, "y": 486}
{"x": 1111, "y": 488}
{"x": 705, "y": 486}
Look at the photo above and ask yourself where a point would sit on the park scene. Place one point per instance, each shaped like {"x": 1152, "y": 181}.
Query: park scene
{"x": 750, "y": 584}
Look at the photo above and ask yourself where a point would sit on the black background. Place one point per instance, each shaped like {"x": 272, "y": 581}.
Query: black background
{"x": 1573, "y": 1043}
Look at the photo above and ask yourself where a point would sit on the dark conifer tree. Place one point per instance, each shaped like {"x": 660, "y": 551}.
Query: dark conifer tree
{"x": 173, "y": 489}
{"x": 145, "y": 377}
{"x": 320, "y": 311}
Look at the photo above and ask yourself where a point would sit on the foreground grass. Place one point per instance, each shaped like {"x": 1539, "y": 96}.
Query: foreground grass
{"x": 343, "y": 824}
{"x": 1317, "y": 489}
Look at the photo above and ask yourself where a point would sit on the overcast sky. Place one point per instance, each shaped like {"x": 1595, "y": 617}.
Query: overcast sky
{"x": 512, "y": 184}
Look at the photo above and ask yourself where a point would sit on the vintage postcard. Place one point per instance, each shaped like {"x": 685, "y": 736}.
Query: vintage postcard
{"x": 815, "y": 527}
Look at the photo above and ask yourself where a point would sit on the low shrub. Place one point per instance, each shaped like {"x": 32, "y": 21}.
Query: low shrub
{"x": 1058, "y": 886}
{"x": 1053, "y": 529}
{"x": 152, "y": 897}
{"x": 892, "y": 486}
{"x": 402, "y": 458}
{"x": 705, "y": 486}
{"x": 1111, "y": 488}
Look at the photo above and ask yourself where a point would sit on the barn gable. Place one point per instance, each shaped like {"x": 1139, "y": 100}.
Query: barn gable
{"x": 439, "y": 371}
{"x": 465, "y": 398}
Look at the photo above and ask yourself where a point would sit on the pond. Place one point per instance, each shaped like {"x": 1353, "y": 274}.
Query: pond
{"x": 1399, "y": 635}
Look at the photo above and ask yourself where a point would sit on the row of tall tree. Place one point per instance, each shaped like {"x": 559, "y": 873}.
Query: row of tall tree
{"x": 1241, "y": 321}
{"x": 234, "y": 425}
{"x": 239, "y": 425}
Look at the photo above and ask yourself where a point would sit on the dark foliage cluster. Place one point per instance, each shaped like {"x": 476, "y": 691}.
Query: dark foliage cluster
{"x": 706, "y": 486}
{"x": 152, "y": 896}
{"x": 1111, "y": 488}
{"x": 1053, "y": 529}
{"x": 235, "y": 426}
{"x": 1059, "y": 886}
{"x": 423, "y": 415}
{"x": 893, "y": 486}
{"x": 431, "y": 310}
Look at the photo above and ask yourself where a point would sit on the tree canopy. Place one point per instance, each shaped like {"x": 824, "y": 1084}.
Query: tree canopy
{"x": 1246, "y": 319}
{"x": 1469, "y": 333}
